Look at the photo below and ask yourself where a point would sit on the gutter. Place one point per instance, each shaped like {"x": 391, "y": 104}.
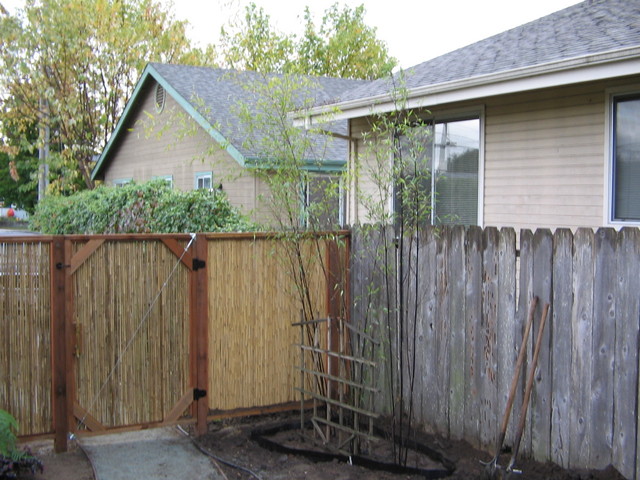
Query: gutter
{"x": 598, "y": 66}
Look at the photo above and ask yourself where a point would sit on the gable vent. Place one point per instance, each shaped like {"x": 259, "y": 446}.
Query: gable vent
{"x": 161, "y": 95}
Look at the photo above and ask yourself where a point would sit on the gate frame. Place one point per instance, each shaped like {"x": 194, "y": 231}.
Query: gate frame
{"x": 63, "y": 338}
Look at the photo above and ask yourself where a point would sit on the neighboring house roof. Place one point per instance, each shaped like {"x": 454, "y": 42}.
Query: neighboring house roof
{"x": 211, "y": 97}
{"x": 592, "y": 40}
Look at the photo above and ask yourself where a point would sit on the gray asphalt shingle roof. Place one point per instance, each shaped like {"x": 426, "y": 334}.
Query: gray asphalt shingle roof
{"x": 217, "y": 94}
{"x": 590, "y": 27}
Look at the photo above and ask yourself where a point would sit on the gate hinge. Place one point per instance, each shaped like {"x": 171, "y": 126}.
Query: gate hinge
{"x": 198, "y": 264}
{"x": 198, "y": 394}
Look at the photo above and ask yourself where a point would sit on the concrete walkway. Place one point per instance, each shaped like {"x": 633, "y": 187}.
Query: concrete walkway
{"x": 159, "y": 453}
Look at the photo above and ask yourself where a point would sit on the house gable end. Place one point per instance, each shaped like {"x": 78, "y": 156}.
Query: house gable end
{"x": 131, "y": 110}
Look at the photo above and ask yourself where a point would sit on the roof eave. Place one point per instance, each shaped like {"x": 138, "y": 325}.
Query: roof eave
{"x": 593, "y": 67}
{"x": 121, "y": 122}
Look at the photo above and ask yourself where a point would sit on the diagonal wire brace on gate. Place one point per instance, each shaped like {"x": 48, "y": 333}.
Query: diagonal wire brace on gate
{"x": 142, "y": 322}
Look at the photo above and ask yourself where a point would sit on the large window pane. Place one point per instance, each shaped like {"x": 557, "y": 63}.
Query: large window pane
{"x": 626, "y": 188}
{"x": 445, "y": 156}
{"x": 456, "y": 156}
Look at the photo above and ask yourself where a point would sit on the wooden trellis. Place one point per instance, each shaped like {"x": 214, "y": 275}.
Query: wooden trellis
{"x": 337, "y": 382}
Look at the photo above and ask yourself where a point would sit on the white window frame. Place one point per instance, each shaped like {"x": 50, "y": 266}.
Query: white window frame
{"x": 608, "y": 201}
{"x": 121, "y": 182}
{"x": 203, "y": 175}
{"x": 166, "y": 178}
{"x": 454, "y": 115}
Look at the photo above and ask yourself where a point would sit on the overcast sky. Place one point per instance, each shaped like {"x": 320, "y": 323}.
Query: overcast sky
{"x": 415, "y": 30}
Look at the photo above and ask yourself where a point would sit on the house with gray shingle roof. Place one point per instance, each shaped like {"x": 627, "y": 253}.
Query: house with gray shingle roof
{"x": 183, "y": 124}
{"x": 547, "y": 116}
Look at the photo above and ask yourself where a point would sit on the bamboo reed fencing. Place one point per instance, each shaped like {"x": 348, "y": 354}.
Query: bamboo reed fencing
{"x": 130, "y": 331}
{"x": 131, "y": 318}
{"x": 25, "y": 350}
{"x": 470, "y": 290}
{"x": 252, "y": 304}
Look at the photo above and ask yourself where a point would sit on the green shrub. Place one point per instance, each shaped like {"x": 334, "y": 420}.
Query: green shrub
{"x": 13, "y": 461}
{"x": 151, "y": 207}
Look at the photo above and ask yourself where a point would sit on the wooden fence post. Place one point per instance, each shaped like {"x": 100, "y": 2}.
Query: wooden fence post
{"x": 334, "y": 309}
{"x": 200, "y": 327}
{"x": 58, "y": 344}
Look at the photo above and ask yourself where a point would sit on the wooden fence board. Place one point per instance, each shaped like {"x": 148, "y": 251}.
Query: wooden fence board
{"x": 375, "y": 244}
{"x": 526, "y": 293}
{"x": 458, "y": 351}
{"x": 442, "y": 327}
{"x": 625, "y": 382}
{"x": 508, "y": 327}
{"x": 603, "y": 344}
{"x": 581, "y": 353}
{"x": 410, "y": 335}
{"x": 473, "y": 313}
{"x": 540, "y": 407}
{"x": 561, "y": 345}
{"x": 429, "y": 325}
{"x": 489, "y": 422}
{"x": 388, "y": 316}
{"x": 365, "y": 281}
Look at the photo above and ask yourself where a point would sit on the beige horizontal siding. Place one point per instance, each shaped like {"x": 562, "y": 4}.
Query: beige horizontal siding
{"x": 363, "y": 185}
{"x": 543, "y": 162}
{"x": 544, "y": 158}
{"x": 163, "y": 143}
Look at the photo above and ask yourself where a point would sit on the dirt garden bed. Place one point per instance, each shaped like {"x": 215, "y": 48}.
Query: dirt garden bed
{"x": 231, "y": 440}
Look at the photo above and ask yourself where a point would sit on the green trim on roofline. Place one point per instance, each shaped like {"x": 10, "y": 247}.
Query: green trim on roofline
{"x": 326, "y": 166}
{"x": 149, "y": 71}
{"x": 199, "y": 118}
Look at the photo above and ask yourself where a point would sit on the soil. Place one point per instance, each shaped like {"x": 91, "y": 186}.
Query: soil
{"x": 230, "y": 441}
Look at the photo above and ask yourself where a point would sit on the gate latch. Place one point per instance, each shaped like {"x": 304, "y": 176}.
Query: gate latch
{"x": 198, "y": 394}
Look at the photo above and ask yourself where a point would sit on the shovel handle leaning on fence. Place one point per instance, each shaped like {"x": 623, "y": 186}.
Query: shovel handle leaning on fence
{"x": 527, "y": 392}
{"x": 514, "y": 385}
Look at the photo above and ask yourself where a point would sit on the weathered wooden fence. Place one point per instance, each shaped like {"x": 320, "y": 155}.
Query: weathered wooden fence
{"x": 122, "y": 331}
{"x": 467, "y": 292}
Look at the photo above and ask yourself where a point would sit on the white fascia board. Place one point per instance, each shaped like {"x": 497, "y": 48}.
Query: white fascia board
{"x": 554, "y": 74}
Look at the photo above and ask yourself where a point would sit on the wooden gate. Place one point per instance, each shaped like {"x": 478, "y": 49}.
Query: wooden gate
{"x": 132, "y": 311}
{"x": 112, "y": 332}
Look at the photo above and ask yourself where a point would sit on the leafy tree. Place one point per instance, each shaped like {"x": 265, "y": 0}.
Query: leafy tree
{"x": 70, "y": 65}
{"x": 341, "y": 46}
{"x": 18, "y": 172}
{"x": 150, "y": 207}
{"x": 255, "y": 45}
{"x": 17, "y": 184}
